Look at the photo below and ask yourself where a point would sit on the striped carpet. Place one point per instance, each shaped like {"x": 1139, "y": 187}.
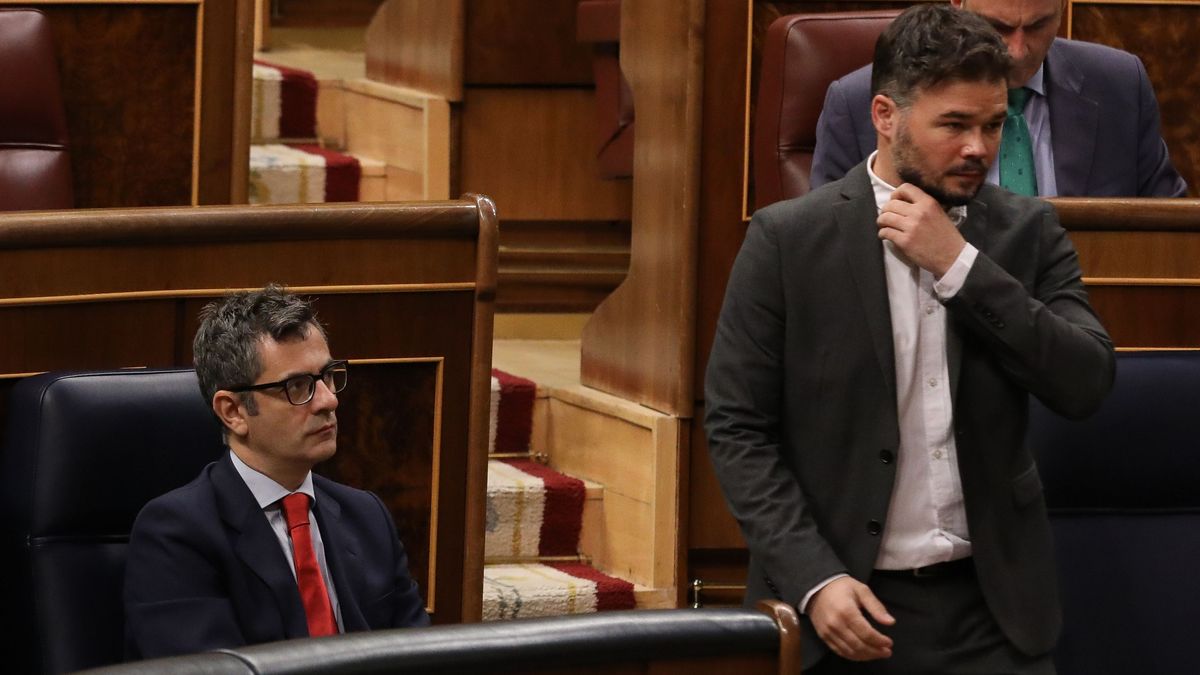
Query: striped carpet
{"x": 524, "y": 591}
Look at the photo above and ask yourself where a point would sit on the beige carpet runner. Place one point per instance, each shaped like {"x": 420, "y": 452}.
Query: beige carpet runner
{"x": 535, "y": 511}
{"x": 287, "y": 165}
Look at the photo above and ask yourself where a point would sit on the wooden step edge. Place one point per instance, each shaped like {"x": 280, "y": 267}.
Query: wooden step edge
{"x": 389, "y": 92}
{"x": 285, "y": 141}
{"x": 654, "y": 598}
{"x": 534, "y": 559}
{"x": 592, "y": 491}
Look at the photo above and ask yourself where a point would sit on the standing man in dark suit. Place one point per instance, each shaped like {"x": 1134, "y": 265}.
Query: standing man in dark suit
{"x": 868, "y": 385}
{"x": 1090, "y": 110}
{"x": 257, "y": 548}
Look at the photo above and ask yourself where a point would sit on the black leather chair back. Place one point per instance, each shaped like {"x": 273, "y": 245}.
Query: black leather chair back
{"x": 700, "y": 641}
{"x": 82, "y": 454}
{"x": 1123, "y": 490}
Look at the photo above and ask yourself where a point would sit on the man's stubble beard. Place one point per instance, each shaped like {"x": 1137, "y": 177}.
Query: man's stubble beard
{"x": 907, "y": 160}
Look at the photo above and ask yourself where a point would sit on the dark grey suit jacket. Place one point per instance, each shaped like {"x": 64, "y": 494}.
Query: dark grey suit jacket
{"x": 801, "y": 394}
{"x": 1104, "y": 125}
{"x": 205, "y": 569}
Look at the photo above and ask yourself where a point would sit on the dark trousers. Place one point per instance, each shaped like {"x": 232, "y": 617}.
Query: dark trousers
{"x": 943, "y": 627}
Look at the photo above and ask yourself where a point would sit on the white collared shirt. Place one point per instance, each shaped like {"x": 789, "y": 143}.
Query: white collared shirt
{"x": 269, "y": 496}
{"x": 1037, "y": 117}
{"x": 926, "y": 521}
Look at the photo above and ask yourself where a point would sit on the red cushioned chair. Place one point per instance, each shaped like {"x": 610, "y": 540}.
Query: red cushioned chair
{"x": 802, "y": 55}
{"x": 35, "y": 167}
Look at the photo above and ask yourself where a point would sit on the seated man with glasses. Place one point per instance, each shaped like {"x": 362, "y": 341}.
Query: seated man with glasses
{"x": 257, "y": 548}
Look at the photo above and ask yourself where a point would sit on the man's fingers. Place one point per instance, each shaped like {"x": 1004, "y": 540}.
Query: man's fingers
{"x": 868, "y": 601}
{"x": 891, "y": 220}
{"x": 910, "y": 193}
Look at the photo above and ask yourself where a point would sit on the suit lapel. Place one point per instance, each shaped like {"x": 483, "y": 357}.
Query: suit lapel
{"x": 1073, "y": 123}
{"x": 257, "y": 546}
{"x": 978, "y": 230}
{"x": 342, "y": 558}
{"x": 855, "y": 218}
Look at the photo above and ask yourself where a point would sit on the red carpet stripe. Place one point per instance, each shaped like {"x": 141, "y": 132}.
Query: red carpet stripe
{"x": 515, "y": 414}
{"x": 611, "y": 592}
{"x": 562, "y": 515}
{"x": 298, "y": 102}
{"x": 342, "y": 173}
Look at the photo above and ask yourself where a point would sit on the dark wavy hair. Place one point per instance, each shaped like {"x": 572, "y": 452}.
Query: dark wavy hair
{"x": 929, "y": 44}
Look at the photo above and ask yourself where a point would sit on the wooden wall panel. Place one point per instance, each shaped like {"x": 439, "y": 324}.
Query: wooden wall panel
{"x": 524, "y": 42}
{"x": 131, "y": 83}
{"x": 322, "y": 13}
{"x": 418, "y": 45}
{"x": 131, "y": 118}
{"x": 640, "y": 342}
{"x": 530, "y": 149}
{"x": 1141, "y": 264}
{"x": 222, "y": 171}
{"x": 1160, "y": 33}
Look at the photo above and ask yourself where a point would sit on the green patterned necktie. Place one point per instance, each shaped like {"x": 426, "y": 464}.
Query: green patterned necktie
{"x": 1016, "y": 147}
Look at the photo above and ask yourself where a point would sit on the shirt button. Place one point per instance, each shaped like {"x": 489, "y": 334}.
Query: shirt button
{"x": 929, "y": 309}
{"x": 874, "y": 527}
{"x": 932, "y": 382}
{"x": 937, "y": 454}
{"x": 886, "y": 456}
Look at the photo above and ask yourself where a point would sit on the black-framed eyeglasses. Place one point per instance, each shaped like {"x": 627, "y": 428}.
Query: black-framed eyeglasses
{"x": 300, "y": 389}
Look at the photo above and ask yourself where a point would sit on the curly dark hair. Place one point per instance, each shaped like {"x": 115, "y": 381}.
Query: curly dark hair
{"x": 929, "y": 44}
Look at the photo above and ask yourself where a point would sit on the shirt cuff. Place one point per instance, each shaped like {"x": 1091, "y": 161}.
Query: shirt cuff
{"x": 954, "y": 278}
{"x": 803, "y": 608}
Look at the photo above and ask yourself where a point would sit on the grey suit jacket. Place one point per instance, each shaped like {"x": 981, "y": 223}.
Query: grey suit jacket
{"x": 801, "y": 394}
{"x": 1104, "y": 125}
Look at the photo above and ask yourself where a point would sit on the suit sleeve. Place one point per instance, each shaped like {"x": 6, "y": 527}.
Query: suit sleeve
{"x": 836, "y": 150}
{"x": 1157, "y": 177}
{"x": 407, "y": 607}
{"x": 1048, "y": 340}
{"x": 175, "y": 600}
{"x": 744, "y": 420}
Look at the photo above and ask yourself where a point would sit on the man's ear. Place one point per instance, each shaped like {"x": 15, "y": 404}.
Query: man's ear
{"x": 885, "y": 115}
{"x": 229, "y": 409}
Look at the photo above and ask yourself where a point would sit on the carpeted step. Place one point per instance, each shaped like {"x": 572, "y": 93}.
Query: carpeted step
{"x": 284, "y": 106}
{"x": 532, "y": 511}
{"x": 302, "y": 174}
{"x": 529, "y": 590}
{"x": 512, "y": 413}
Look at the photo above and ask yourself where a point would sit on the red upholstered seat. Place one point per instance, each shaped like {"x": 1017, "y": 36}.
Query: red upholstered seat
{"x": 35, "y": 167}
{"x": 802, "y": 55}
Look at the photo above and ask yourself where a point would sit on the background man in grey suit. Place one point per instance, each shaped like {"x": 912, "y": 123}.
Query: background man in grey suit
{"x": 867, "y": 399}
{"x": 1091, "y": 111}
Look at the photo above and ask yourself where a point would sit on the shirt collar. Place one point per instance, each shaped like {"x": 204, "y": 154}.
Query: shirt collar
{"x": 265, "y": 490}
{"x": 1037, "y": 83}
{"x": 883, "y": 193}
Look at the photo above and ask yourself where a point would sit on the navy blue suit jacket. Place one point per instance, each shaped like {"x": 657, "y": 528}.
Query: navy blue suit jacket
{"x": 205, "y": 570}
{"x": 1104, "y": 125}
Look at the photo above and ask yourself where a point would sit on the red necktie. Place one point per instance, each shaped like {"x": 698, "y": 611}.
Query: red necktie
{"x": 308, "y": 573}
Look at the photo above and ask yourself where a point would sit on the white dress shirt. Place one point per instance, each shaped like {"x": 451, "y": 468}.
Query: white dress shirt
{"x": 926, "y": 521}
{"x": 1037, "y": 117}
{"x": 269, "y": 496}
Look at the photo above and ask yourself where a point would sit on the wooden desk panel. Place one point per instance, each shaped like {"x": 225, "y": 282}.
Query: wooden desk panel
{"x": 157, "y": 96}
{"x": 406, "y": 291}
